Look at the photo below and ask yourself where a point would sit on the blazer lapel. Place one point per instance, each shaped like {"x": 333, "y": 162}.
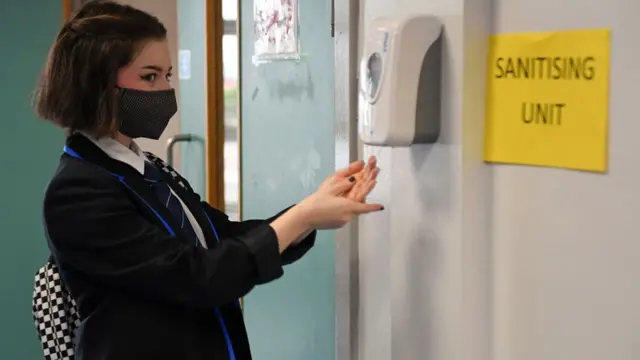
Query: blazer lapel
{"x": 130, "y": 176}
{"x": 189, "y": 197}
{"x": 192, "y": 202}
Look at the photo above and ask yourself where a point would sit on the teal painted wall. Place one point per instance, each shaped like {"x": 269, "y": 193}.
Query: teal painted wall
{"x": 29, "y": 151}
{"x": 288, "y": 149}
{"x": 193, "y": 95}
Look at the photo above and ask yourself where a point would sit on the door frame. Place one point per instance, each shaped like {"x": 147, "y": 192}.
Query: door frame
{"x": 66, "y": 10}
{"x": 214, "y": 142}
{"x": 216, "y": 28}
{"x": 68, "y": 7}
{"x": 347, "y": 23}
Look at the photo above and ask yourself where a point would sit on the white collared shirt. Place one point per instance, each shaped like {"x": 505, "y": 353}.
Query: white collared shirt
{"x": 134, "y": 157}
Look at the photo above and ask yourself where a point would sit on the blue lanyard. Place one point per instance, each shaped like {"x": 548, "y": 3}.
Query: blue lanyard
{"x": 225, "y": 332}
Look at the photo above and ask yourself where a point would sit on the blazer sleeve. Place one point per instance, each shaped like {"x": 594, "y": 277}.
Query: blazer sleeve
{"x": 232, "y": 229}
{"x": 94, "y": 228}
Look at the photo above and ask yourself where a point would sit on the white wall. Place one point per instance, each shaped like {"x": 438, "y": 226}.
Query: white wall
{"x": 475, "y": 261}
{"x": 424, "y": 275}
{"x": 566, "y": 243}
{"x": 166, "y": 11}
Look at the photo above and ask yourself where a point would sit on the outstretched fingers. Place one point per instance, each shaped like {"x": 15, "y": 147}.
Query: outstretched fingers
{"x": 364, "y": 186}
{"x": 362, "y": 208}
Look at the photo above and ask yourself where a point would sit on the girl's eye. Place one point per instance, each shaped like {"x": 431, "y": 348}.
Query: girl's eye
{"x": 168, "y": 77}
{"x": 148, "y": 77}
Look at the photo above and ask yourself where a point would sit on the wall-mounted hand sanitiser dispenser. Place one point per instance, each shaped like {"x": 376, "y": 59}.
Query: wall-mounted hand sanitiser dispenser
{"x": 400, "y": 82}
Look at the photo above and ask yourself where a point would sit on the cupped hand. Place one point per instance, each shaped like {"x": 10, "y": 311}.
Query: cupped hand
{"x": 328, "y": 208}
{"x": 364, "y": 179}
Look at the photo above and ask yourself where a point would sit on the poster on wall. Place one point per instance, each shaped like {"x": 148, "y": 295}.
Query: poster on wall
{"x": 275, "y": 26}
{"x": 547, "y": 99}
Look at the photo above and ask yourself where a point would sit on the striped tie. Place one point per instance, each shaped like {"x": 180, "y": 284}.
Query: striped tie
{"x": 154, "y": 176}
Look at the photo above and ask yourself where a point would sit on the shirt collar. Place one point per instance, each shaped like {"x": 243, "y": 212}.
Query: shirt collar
{"x": 132, "y": 156}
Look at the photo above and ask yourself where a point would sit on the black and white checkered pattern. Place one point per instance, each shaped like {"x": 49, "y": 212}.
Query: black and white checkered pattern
{"x": 168, "y": 169}
{"x": 54, "y": 310}
{"x": 55, "y": 314}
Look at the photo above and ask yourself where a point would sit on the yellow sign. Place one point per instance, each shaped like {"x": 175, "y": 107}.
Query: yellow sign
{"x": 547, "y": 99}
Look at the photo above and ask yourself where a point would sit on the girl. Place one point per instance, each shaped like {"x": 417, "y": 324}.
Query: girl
{"x": 155, "y": 271}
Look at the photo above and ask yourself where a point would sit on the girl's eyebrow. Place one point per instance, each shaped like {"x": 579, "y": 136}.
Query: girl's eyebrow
{"x": 156, "y": 68}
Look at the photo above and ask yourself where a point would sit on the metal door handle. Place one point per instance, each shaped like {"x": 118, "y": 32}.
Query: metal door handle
{"x": 176, "y": 139}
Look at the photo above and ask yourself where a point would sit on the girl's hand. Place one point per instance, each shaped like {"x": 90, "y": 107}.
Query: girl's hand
{"x": 350, "y": 171}
{"x": 338, "y": 199}
{"x": 364, "y": 179}
{"x": 328, "y": 208}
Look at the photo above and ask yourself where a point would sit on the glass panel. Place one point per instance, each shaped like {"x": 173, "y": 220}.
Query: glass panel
{"x": 231, "y": 149}
{"x": 288, "y": 147}
{"x": 230, "y": 9}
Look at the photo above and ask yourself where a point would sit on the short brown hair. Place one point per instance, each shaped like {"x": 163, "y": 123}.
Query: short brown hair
{"x": 77, "y": 90}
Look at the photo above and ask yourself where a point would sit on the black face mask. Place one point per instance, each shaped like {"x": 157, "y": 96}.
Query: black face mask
{"x": 145, "y": 114}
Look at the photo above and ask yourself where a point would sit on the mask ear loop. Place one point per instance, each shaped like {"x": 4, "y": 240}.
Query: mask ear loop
{"x": 120, "y": 92}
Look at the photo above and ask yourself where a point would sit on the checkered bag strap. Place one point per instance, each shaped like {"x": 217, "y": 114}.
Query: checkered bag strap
{"x": 168, "y": 169}
{"x": 55, "y": 314}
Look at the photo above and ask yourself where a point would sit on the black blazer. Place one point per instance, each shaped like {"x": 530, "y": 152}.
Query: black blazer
{"x": 143, "y": 292}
